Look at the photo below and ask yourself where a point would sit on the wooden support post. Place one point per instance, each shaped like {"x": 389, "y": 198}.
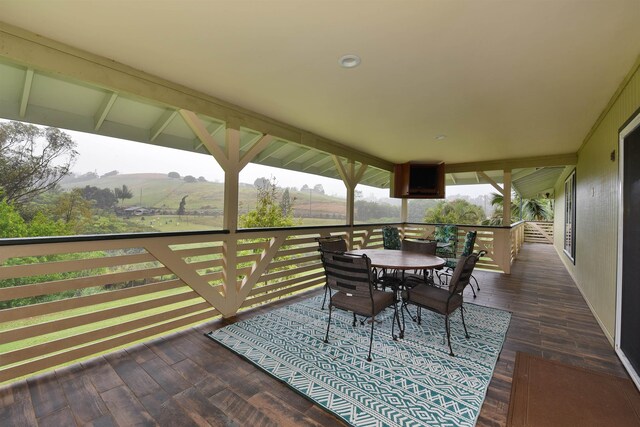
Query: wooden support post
{"x": 404, "y": 210}
{"x": 506, "y": 198}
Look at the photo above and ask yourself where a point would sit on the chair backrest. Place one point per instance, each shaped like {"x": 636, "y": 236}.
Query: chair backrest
{"x": 446, "y": 233}
{"x": 427, "y": 248}
{"x": 332, "y": 244}
{"x": 469, "y": 242}
{"x": 390, "y": 237}
{"x": 348, "y": 273}
{"x": 462, "y": 273}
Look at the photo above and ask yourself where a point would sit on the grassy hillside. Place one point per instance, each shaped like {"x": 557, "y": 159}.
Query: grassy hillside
{"x": 155, "y": 190}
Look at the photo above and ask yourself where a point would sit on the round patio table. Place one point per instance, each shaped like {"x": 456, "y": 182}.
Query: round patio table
{"x": 400, "y": 260}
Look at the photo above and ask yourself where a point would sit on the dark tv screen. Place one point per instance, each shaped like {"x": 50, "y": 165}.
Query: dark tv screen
{"x": 423, "y": 178}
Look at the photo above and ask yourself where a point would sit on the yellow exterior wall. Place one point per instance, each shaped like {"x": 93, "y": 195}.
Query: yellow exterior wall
{"x": 597, "y": 207}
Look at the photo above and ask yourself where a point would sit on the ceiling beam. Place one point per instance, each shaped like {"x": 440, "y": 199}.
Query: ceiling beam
{"x": 26, "y": 92}
{"x": 517, "y": 163}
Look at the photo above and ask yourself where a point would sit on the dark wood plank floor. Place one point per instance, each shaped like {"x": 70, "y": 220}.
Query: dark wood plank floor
{"x": 188, "y": 380}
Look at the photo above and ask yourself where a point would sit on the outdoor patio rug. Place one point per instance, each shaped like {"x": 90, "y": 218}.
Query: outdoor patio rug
{"x": 410, "y": 382}
{"x": 547, "y": 393}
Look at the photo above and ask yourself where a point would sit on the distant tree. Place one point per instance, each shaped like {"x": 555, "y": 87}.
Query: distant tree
{"x": 112, "y": 173}
{"x": 457, "y": 211}
{"x": 261, "y": 182}
{"x": 268, "y": 212}
{"x": 13, "y": 225}
{"x": 123, "y": 193}
{"x": 189, "y": 178}
{"x": 538, "y": 209}
{"x": 285, "y": 202}
{"x": 174, "y": 175}
{"x": 202, "y": 179}
{"x": 71, "y": 207}
{"x": 304, "y": 188}
{"x": 103, "y": 198}
{"x": 358, "y": 194}
{"x": 183, "y": 204}
{"x": 32, "y": 160}
{"x": 366, "y": 210}
{"x": 318, "y": 188}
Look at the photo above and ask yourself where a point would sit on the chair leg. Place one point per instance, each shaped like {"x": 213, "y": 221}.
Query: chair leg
{"x": 446, "y": 325}
{"x": 354, "y": 320}
{"x": 396, "y": 319}
{"x": 473, "y": 290}
{"x": 371, "y": 341}
{"x": 466, "y": 334}
{"x": 475, "y": 280}
{"x": 326, "y": 290}
{"x": 326, "y": 337}
{"x": 403, "y": 325}
{"x": 419, "y": 315}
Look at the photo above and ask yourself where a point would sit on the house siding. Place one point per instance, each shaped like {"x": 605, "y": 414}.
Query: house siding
{"x": 597, "y": 208}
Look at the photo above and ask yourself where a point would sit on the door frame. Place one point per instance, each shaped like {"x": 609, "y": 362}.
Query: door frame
{"x": 626, "y": 130}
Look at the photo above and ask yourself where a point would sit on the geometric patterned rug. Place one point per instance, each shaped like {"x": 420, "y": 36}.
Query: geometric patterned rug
{"x": 409, "y": 382}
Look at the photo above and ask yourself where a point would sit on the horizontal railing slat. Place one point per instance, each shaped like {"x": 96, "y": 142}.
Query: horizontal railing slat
{"x": 19, "y": 313}
{"x": 25, "y": 332}
{"x": 47, "y": 288}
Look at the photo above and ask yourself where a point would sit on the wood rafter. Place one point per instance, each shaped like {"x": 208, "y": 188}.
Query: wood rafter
{"x": 161, "y": 124}
{"x": 293, "y": 157}
{"x": 26, "y": 91}
{"x": 103, "y": 111}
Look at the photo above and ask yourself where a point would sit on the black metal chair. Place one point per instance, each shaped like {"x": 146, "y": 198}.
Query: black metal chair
{"x": 350, "y": 279}
{"x": 467, "y": 249}
{"x": 444, "y": 301}
{"x": 330, "y": 244}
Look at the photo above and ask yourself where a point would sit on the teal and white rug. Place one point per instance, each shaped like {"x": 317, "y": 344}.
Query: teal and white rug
{"x": 410, "y": 382}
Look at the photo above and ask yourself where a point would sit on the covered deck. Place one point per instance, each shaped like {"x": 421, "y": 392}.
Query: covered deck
{"x": 186, "y": 379}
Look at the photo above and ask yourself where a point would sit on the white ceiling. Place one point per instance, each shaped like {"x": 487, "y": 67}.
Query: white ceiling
{"x": 502, "y": 79}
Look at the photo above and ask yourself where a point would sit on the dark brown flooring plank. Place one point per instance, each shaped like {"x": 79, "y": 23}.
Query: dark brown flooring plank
{"x": 195, "y": 404}
{"x": 125, "y": 407}
{"x": 166, "y": 411}
{"x": 63, "y": 417}
{"x": 136, "y": 378}
{"x": 170, "y": 380}
{"x": 84, "y": 399}
{"x": 166, "y": 351}
{"x": 101, "y": 374}
{"x": 45, "y": 394}
{"x": 103, "y": 421}
{"x": 141, "y": 353}
{"x": 280, "y": 411}
{"x": 18, "y": 414}
{"x": 243, "y": 412}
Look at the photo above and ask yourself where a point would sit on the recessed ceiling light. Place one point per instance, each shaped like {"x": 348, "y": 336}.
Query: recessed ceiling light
{"x": 440, "y": 137}
{"x": 349, "y": 61}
